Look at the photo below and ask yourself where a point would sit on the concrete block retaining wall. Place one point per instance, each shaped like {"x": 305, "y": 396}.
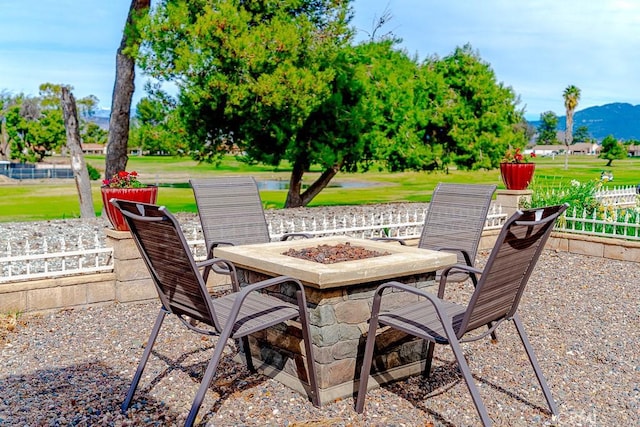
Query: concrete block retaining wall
{"x": 130, "y": 281}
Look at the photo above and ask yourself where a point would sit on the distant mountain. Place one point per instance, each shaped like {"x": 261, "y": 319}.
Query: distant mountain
{"x": 621, "y": 120}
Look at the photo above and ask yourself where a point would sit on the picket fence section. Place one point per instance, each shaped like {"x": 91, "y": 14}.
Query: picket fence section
{"x": 619, "y": 196}
{"x": 620, "y": 223}
{"x": 63, "y": 260}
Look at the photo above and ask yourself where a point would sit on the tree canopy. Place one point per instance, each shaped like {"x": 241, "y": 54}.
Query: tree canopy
{"x": 285, "y": 81}
{"x": 612, "y": 149}
{"x": 548, "y": 128}
{"x": 34, "y": 125}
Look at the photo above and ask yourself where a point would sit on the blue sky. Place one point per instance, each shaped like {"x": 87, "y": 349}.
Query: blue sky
{"x": 537, "y": 47}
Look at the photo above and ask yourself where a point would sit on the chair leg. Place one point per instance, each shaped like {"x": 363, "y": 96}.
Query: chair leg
{"x": 429, "y": 360}
{"x": 143, "y": 360}
{"x": 534, "y": 362}
{"x": 207, "y": 378}
{"x": 468, "y": 378}
{"x": 366, "y": 362}
{"x": 245, "y": 352}
{"x": 308, "y": 347}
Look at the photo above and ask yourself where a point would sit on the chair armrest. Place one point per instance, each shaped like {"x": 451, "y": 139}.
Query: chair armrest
{"x": 221, "y": 266}
{"x": 290, "y": 236}
{"x": 445, "y": 319}
{"x": 472, "y": 271}
{"x": 465, "y": 254}
{"x": 246, "y": 290}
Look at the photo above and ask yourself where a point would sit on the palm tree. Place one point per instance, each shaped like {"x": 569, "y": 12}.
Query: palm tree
{"x": 571, "y": 97}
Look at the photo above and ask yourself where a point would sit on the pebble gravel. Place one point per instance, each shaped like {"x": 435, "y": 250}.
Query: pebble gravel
{"x": 73, "y": 367}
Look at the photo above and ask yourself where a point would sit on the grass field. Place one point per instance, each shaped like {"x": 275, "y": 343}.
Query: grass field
{"x": 55, "y": 199}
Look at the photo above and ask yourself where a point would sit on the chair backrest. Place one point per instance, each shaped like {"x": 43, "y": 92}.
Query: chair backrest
{"x": 456, "y": 217}
{"x": 509, "y": 266}
{"x": 166, "y": 253}
{"x": 230, "y": 210}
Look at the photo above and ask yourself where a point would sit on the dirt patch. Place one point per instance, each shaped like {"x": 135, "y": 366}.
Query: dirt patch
{"x": 8, "y": 323}
{"x": 331, "y": 254}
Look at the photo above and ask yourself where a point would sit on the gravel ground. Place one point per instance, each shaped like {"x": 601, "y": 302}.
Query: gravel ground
{"x": 73, "y": 367}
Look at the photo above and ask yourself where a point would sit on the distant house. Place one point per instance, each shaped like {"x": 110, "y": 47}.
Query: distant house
{"x": 554, "y": 150}
{"x": 94, "y": 148}
{"x": 634, "y": 150}
{"x": 584, "y": 148}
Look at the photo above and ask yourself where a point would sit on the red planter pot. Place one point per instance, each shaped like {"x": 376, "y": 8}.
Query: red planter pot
{"x": 147, "y": 194}
{"x": 517, "y": 176}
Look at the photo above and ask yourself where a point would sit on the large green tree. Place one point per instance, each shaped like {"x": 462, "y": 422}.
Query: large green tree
{"x": 260, "y": 76}
{"x": 548, "y": 128}
{"x": 571, "y": 97}
{"x": 582, "y": 134}
{"x": 34, "y": 125}
{"x": 612, "y": 149}
{"x": 477, "y": 117}
{"x": 157, "y": 128}
{"x": 284, "y": 81}
{"x": 34, "y": 128}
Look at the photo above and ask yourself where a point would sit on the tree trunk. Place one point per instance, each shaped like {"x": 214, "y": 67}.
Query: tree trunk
{"x": 568, "y": 138}
{"x": 297, "y": 199}
{"x": 78, "y": 165}
{"x": 4, "y": 142}
{"x": 116, "y": 158}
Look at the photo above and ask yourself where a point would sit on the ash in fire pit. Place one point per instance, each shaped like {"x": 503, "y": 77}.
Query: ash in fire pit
{"x": 340, "y": 252}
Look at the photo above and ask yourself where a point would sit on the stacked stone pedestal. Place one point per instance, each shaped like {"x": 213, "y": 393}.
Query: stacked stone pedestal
{"x": 339, "y": 323}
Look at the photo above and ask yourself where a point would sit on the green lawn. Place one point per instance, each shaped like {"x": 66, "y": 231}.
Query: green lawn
{"x": 41, "y": 200}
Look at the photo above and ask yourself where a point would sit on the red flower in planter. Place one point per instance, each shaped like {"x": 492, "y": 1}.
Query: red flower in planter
{"x": 515, "y": 156}
{"x": 123, "y": 179}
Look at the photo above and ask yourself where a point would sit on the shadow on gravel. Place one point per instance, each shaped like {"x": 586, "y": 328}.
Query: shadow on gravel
{"x": 444, "y": 377}
{"x": 87, "y": 394}
{"x": 91, "y": 394}
{"x": 232, "y": 378}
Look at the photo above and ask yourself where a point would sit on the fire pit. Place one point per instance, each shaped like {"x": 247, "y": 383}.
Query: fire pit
{"x": 329, "y": 254}
{"x": 339, "y": 296}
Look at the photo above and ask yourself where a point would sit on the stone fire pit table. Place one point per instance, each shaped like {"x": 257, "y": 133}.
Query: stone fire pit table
{"x": 339, "y": 297}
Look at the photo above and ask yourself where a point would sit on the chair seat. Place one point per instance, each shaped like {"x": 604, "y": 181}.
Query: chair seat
{"x": 258, "y": 312}
{"x": 420, "y": 319}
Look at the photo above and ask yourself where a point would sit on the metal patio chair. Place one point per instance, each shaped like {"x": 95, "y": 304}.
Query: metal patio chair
{"x": 231, "y": 213}
{"x": 495, "y": 299}
{"x": 182, "y": 292}
{"x": 454, "y": 222}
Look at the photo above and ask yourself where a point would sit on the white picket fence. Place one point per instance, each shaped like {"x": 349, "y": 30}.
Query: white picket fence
{"x": 618, "y": 196}
{"x": 63, "y": 259}
{"x": 608, "y": 223}
{"x": 68, "y": 259}
{"x": 82, "y": 260}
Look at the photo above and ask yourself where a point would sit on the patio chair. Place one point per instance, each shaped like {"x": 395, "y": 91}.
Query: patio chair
{"x": 455, "y": 220}
{"x": 182, "y": 292}
{"x": 231, "y": 213}
{"x": 494, "y": 300}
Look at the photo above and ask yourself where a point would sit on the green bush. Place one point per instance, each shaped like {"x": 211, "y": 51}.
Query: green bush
{"x": 94, "y": 174}
{"x": 580, "y": 196}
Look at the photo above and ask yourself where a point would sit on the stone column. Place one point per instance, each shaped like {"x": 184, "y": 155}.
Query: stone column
{"x": 133, "y": 282}
{"x": 132, "y": 279}
{"x": 512, "y": 200}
